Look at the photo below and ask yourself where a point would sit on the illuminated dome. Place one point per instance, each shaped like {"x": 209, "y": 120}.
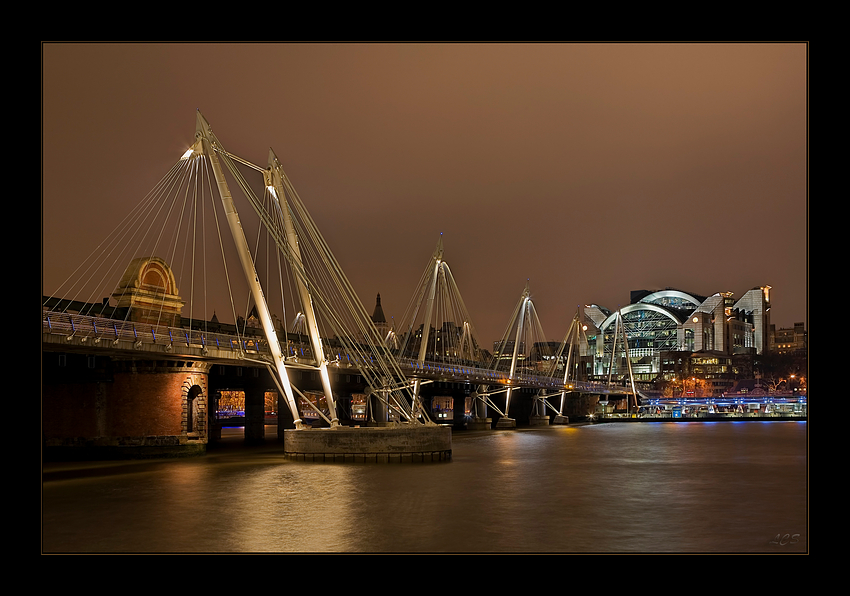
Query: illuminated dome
{"x": 148, "y": 289}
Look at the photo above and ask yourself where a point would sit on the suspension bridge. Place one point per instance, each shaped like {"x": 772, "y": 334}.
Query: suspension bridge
{"x": 191, "y": 219}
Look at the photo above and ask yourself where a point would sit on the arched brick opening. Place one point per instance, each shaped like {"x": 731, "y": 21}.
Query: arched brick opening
{"x": 195, "y": 403}
{"x": 192, "y": 409}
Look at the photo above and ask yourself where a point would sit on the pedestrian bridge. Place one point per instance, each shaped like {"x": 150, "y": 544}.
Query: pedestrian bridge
{"x": 63, "y": 331}
{"x": 187, "y": 216}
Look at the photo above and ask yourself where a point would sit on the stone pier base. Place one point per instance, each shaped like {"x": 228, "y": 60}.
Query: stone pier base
{"x": 382, "y": 444}
{"x": 121, "y": 448}
{"x": 561, "y": 419}
{"x": 538, "y": 421}
{"x": 506, "y": 422}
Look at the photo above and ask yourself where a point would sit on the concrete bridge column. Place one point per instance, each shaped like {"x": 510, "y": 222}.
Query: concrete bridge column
{"x": 480, "y": 408}
{"x": 378, "y": 411}
{"x": 255, "y": 416}
{"x": 284, "y": 416}
{"x": 212, "y": 417}
{"x": 480, "y": 420}
{"x": 538, "y": 417}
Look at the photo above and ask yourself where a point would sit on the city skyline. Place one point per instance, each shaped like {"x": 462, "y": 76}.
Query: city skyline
{"x": 588, "y": 170}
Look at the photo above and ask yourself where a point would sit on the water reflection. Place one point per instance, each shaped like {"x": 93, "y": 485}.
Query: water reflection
{"x": 656, "y": 487}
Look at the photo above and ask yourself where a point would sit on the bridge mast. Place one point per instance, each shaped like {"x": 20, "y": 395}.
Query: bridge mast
{"x": 274, "y": 181}
{"x": 629, "y": 363}
{"x": 572, "y": 336}
{"x": 426, "y": 325}
{"x": 526, "y": 296}
{"x": 620, "y": 329}
{"x": 207, "y": 143}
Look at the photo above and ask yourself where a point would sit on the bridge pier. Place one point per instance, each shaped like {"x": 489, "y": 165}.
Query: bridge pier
{"x": 578, "y": 405}
{"x": 479, "y": 424}
{"x": 385, "y": 444}
{"x": 538, "y": 415}
{"x": 255, "y": 416}
{"x": 480, "y": 420}
{"x": 96, "y": 407}
{"x": 213, "y": 428}
{"x": 379, "y": 414}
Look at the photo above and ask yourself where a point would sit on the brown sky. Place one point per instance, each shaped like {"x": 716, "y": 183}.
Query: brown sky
{"x": 590, "y": 169}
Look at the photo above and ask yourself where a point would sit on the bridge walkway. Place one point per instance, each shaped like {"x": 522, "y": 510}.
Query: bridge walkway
{"x": 76, "y": 332}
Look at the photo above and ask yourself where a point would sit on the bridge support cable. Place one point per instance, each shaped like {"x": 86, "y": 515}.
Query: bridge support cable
{"x": 484, "y": 397}
{"x": 631, "y": 372}
{"x": 340, "y": 331}
{"x": 275, "y": 184}
{"x": 335, "y": 305}
{"x": 109, "y": 258}
{"x": 573, "y": 334}
{"x": 442, "y": 332}
{"x": 436, "y": 330}
{"x": 620, "y": 335}
{"x": 525, "y": 342}
{"x": 519, "y": 329}
{"x": 571, "y": 343}
{"x": 175, "y": 201}
{"x": 335, "y": 301}
{"x": 175, "y": 211}
{"x": 542, "y": 403}
{"x": 206, "y": 143}
{"x": 426, "y": 328}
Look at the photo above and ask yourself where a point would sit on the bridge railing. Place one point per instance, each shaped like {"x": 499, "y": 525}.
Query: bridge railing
{"x": 107, "y": 332}
{"x": 485, "y": 376}
{"x": 99, "y": 330}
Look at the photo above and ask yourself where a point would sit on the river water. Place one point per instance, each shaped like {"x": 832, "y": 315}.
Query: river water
{"x": 724, "y": 487}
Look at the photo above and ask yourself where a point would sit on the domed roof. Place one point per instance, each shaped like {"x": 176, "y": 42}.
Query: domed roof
{"x": 148, "y": 273}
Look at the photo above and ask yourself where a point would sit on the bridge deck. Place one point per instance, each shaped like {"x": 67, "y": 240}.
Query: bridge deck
{"x": 74, "y": 332}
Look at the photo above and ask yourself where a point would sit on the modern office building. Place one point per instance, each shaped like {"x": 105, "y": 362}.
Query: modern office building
{"x": 789, "y": 340}
{"x": 670, "y": 320}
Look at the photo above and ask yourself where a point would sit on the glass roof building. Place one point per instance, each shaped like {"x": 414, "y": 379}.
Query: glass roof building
{"x": 674, "y": 320}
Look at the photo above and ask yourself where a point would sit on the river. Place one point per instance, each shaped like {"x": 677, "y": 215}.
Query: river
{"x": 660, "y": 487}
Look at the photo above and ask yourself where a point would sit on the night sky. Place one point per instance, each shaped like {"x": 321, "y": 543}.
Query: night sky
{"x": 589, "y": 169}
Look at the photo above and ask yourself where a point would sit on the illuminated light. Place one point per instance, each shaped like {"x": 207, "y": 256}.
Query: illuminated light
{"x": 696, "y": 320}
{"x": 188, "y": 154}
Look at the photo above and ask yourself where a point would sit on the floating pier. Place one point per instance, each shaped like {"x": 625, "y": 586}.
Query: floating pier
{"x": 382, "y": 444}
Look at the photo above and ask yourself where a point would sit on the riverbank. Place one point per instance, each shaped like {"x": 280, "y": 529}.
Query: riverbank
{"x": 706, "y": 418}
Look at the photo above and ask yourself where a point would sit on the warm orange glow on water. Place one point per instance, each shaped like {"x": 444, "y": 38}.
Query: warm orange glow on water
{"x": 601, "y": 488}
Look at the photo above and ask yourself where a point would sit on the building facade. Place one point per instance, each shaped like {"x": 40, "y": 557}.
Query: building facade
{"x": 790, "y": 340}
{"x": 675, "y": 321}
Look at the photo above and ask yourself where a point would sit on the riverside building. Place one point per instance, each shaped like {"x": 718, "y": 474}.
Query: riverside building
{"x": 665, "y": 326}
